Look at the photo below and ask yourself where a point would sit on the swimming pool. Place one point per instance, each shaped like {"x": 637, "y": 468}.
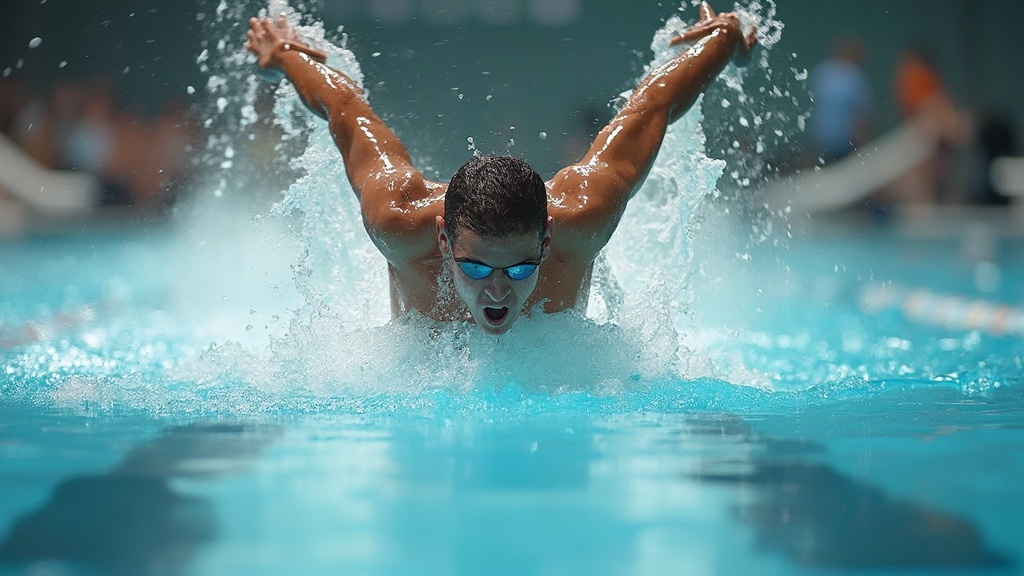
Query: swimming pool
{"x": 823, "y": 437}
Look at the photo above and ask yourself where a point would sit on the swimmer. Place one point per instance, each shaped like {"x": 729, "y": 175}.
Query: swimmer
{"x": 505, "y": 240}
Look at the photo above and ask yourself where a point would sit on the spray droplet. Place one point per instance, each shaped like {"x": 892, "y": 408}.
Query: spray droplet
{"x": 375, "y": 55}
{"x": 62, "y": 64}
{"x": 543, "y": 135}
{"x": 190, "y": 90}
{"x": 35, "y": 42}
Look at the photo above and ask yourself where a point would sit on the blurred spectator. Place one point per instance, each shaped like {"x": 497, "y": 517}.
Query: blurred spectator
{"x": 923, "y": 99}
{"x": 995, "y": 138}
{"x": 140, "y": 161}
{"x": 12, "y": 99}
{"x": 841, "y": 122}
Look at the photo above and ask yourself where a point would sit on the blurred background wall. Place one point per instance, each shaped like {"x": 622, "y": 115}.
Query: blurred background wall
{"x": 536, "y": 72}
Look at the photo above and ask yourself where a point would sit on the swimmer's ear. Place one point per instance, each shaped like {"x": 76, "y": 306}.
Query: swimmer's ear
{"x": 442, "y": 236}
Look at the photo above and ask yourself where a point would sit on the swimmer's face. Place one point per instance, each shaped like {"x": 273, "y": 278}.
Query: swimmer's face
{"x": 497, "y": 299}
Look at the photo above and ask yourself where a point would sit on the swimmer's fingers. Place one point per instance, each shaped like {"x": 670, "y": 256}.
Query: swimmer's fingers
{"x": 694, "y": 33}
{"x": 751, "y": 40}
{"x": 706, "y": 13}
{"x": 269, "y": 29}
{"x": 295, "y": 42}
{"x": 746, "y": 48}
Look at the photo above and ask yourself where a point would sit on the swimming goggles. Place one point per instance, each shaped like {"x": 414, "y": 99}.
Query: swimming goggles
{"x": 479, "y": 271}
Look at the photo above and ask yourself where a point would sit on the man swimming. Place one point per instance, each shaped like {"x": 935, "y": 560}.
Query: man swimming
{"x": 504, "y": 239}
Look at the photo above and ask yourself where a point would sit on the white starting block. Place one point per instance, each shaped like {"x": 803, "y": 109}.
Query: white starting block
{"x": 50, "y": 192}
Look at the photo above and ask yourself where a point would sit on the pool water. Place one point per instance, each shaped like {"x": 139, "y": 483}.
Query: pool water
{"x": 831, "y": 440}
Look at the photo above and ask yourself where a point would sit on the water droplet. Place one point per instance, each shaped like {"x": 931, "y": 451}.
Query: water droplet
{"x": 62, "y": 64}
{"x": 35, "y": 42}
{"x": 190, "y": 90}
{"x": 543, "y": 135}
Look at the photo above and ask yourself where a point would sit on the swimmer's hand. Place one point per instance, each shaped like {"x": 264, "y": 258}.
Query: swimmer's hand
{"x": 268, "y": 39}
{"x": 727, "y": 22}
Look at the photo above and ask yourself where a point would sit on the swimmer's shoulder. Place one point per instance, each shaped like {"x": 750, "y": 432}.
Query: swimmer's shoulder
{"x": 402, "y": 224}
{"x": 585, "y": 202}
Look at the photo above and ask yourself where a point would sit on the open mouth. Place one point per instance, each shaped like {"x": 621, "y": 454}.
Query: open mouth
{"x": 495, "y": 315}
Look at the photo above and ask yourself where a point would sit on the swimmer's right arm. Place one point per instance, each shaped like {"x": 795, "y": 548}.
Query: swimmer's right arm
{"x": 378, "y": 164}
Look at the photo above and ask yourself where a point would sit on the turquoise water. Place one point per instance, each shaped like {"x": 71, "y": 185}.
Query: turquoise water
{"x": 225, "y": 393}
{"x": 817, "y": 438}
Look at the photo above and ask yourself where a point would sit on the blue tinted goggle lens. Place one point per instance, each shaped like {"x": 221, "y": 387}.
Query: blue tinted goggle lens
{"x": 478, "y": 271}
{"x": 520, "y": 271}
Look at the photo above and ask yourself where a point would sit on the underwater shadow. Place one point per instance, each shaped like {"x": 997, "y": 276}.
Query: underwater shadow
{"x": 130, "y": 520}
{"x": 820, "y": 518}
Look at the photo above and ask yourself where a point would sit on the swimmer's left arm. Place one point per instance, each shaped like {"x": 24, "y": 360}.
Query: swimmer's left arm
{"x": 592, "y": 194}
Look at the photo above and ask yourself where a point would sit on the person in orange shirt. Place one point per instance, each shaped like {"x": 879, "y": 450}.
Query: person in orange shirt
{"x": 923, "y": 100}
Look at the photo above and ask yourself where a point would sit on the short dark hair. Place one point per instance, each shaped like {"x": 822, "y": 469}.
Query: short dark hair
{"x": 496, "y": 196}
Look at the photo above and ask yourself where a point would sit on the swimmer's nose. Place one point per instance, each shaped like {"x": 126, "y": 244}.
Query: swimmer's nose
{"x": 497, "y": 290}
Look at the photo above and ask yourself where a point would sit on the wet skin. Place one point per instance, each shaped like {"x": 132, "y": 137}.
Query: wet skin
{"x": 403, "y": 211}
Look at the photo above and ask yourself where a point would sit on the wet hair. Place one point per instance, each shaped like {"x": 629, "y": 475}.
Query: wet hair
{"x": 496, "y": 196}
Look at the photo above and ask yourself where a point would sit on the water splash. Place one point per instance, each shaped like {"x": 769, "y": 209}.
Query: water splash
{"x": 341, "y": 339}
